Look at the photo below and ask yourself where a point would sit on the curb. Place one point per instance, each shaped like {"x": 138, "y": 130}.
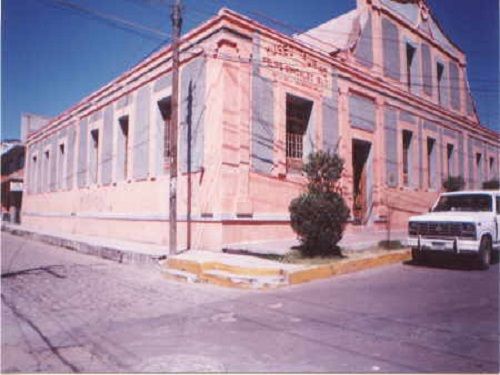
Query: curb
{"x": 347, "y": 266}
{"x": 223, "y": 274}
{"x": 257, "y": 278}
{"x": 201, "y": 267}
{"x": 115, "y": 254}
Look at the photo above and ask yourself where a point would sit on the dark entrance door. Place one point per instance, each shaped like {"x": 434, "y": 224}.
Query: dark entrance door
{"x": 360, "y": 154}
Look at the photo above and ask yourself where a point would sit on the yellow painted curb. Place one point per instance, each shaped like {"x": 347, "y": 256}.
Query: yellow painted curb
{"x": 302, "y": 276}
{"x": 293, "y": 277}
{"x": 346, "y": 266}
{"x": 184, "y": 265}
{"x": 238, "y": 270}
{"x": 198, "y": 268}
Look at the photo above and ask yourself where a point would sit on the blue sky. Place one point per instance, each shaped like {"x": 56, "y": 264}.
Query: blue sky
{"x": 53, "y": 56}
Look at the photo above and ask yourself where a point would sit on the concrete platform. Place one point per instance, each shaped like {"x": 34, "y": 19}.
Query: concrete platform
{"x": 349, "y": 243}
{"x": 243, "y": 271}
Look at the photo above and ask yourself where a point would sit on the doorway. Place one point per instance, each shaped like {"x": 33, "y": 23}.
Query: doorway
{"x": 361, "y": 180}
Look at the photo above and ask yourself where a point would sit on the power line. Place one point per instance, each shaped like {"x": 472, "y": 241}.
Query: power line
{"x": 296, "y": 29}
{"x": 468, "y": 88}
{"x": 113, "y": 20}
{"x": 212, "y": 53}
{"x": 468, "y": 77}
{"x": 116, "y": 21}
{"x": 137, "y": 27}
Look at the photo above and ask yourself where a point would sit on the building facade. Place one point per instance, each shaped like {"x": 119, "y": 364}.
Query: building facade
{"x": 382, "y": 85}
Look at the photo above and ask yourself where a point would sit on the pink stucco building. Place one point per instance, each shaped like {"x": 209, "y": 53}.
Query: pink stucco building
{"x": 382, "y": 84}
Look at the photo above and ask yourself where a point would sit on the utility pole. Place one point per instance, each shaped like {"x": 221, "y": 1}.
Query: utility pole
{"x": 176, "y": 32}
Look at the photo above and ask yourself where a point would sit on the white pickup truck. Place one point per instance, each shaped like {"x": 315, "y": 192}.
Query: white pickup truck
{"x": 465, "y": 222}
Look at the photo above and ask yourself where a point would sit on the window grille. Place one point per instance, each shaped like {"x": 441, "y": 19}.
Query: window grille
{"x": 294, "y": 149}
{"x": 298, "y": 113}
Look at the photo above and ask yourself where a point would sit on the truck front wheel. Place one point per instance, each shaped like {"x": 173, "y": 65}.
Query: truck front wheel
{"x": 417, "y": 256}
{"x": 484, "y": 255}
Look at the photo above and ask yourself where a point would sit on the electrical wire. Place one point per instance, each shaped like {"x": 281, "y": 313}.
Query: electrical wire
{"x": 137, "y": 27}
{"x": 130, "y": 25}
{"x": 113, "y": 20}
{"x": 300, "y": 31}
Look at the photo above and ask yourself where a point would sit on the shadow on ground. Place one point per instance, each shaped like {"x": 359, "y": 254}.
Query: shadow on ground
{"x": 451, "y": 262}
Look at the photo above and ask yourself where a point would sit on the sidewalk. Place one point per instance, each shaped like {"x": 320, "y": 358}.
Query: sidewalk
{"x": 229, "y": 268}
{"x": 112, "y": 249}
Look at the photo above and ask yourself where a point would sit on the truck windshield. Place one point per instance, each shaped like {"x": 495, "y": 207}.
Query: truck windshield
{"x": 464, "y": 202}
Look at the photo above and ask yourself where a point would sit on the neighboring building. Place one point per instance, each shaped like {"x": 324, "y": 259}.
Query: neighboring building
{"x": 13, "y": 155}
{"x": 382, "y": 84}
{"x": 30, "y": 123}
{"x": 12, "y": 179}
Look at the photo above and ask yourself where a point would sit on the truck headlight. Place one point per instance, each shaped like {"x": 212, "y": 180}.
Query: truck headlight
{"x": 468, "y": 227}
{"x": 469, "y": 230}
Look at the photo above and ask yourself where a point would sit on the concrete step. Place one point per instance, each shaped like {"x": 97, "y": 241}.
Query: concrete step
{"x": 229, "y": 279}
{"x": 226, "y": 278}
{"x": 179, "y": 275}
{"x": 239, "y": 271}
{"x": 233, "y": 264}
{"x": 229, "y": 275}
{"x": 186, "y": 265}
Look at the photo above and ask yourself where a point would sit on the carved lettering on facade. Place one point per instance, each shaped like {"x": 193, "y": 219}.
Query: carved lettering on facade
{"x": 287, "y": 63}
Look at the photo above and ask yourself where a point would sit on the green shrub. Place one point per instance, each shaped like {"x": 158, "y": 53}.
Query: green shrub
{"x": 323, "y": 170}
{"x": 454, "y": 183}
{"x": 319, "y": 215}
{"x": 491, "y": 185}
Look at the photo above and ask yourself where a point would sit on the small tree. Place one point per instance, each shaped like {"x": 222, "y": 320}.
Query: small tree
{"x": 319, "y": 215}
{"x": 454, "y": 183}
{"x": 491, "y": 185}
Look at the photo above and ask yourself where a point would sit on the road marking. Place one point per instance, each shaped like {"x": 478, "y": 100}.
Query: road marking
{"x": 224, "y": 317}
{"x": 278, "y": 305}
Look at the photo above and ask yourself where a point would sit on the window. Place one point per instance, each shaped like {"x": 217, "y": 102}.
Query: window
{"x": 430, "y": 162}
{"x": 498, "y": 205}
{"x": 33, "y": 182}
{"x": 46, "y": 174}
{"x": 61, "y": 166}
{"x": 492, "y": 168}
{"x": 440, "y": 71}
{"x": 94, "y": 155}
{"x": 410, "y": 54}
{"x": 123, "y": 141}
{"x": 298, "y": 112}
{"x": 407, "y": 135}
{"x": 479, "y": 167}
{"x": 165, "y": 107}
{"x": 449, "y": 159}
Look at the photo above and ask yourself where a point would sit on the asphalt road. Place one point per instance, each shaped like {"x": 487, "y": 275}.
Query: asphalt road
{"x": 67, "y": 312}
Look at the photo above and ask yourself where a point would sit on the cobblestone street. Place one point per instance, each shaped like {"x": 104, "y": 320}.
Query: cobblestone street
{"x": 67, "y": 312}
{"x": 57, "y": 306}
